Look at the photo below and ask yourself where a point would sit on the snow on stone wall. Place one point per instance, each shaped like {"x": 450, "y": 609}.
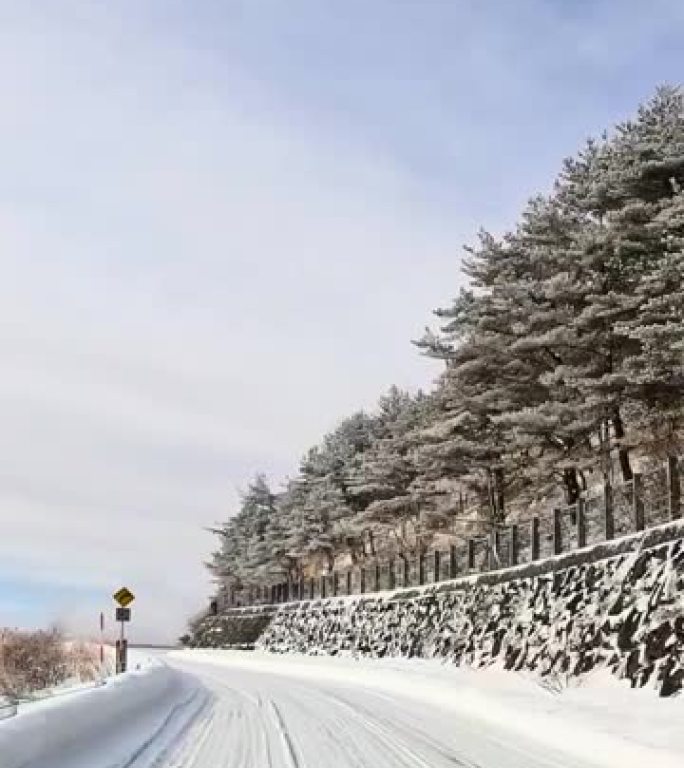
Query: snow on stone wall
{"x": 561, "y": 617}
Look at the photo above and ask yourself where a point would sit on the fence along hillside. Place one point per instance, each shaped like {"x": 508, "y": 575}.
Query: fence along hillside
{"x": 615, "y": 510}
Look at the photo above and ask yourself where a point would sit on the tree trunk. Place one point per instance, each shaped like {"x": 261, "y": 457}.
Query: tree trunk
{"x": 623, "y": 453}
{"x": 491, "y": 495}
{"x": 571, "y": 485}
{"x": 499, "y": 488}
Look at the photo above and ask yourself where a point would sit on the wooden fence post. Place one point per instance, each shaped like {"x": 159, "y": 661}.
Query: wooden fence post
{"x": 638, "y": 501}
{"x": 334, "y": 583}
{"x": 312, "y": 589}
{"x": 557, "y": 532}
{"x": 471, "y": 554}
{"x": 674, "y": 488}
{"x": 608, "y": 511}
{"x": 362, "y": 580}
{"x": 421, "y": 568}
{"x": 452, "y": 562}
{"x": 437, "y": 564}
{"x": 349, "y": 582}
{"x": 534, "y": 538}
{"x": 406, "y": 579}
{"x": 581, "y": 524}
{"x": 392, "y": 579}
{"x": 323, "y": 585}
{"x": 513, "y": 545}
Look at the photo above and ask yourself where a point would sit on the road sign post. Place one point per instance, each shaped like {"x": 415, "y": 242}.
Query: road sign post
{"x": 102, "y": 626}
{"x": 124, "y": 597}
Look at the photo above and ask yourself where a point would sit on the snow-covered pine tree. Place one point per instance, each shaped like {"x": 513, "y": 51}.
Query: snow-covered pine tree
{"x": 655, "y": 371}
{"x": 622, "y": 194}
{"x": 379, "y": 479}
{"x": 567, "y": 344}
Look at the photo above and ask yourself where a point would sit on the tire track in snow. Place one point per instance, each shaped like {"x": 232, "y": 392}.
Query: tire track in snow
{"x": 263, "y": 719}
{"x": 335, "y": 733}
{"x": 287, "y": 741}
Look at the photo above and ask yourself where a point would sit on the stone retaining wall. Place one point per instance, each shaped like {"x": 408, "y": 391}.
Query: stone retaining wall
{"x": 561, "y": 617}
{"x": 237, "y": 628}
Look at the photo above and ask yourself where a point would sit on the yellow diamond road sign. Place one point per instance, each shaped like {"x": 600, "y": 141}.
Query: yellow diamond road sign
{"x": 124, "y": 597}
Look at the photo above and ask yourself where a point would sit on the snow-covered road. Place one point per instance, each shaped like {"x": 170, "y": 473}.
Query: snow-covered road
{"x": 262, "y": 717}
{"x": 231, "y": 709}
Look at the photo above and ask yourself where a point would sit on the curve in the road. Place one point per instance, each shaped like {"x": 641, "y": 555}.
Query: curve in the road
{"x": 265, "y": 720}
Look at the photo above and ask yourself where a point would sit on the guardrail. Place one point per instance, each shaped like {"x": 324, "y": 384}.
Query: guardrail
{"x": 613, "y": 511}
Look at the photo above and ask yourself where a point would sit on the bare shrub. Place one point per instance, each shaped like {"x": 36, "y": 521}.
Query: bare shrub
{"x": 31, "y": 661}
{"x": 83, "y": 661}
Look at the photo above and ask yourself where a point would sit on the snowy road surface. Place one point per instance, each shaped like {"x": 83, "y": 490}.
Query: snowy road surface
{"x": 226, "y": 709}
{"x": 261, "y": 720}
{"x": 263, "y": 716}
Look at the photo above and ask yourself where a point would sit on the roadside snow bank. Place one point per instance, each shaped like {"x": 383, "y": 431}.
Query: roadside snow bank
{"x": 601, "y": 722}
{"x": 105, "y": 727}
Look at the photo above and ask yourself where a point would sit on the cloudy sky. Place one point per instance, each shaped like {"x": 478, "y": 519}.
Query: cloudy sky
{"x": 222, "y": 222}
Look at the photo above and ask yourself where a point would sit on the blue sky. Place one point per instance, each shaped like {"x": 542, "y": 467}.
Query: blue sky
{"x": 28, "y": 603}
{"x": 221, "y": 223}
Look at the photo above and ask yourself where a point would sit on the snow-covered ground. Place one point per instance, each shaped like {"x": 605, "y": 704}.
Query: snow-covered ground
{"x": 222, "y": 709}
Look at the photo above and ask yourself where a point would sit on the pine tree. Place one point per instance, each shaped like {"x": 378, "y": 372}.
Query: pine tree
{"x": 566, "y": 349}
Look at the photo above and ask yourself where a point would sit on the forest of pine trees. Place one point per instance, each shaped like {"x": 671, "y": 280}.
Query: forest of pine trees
{"x": 563, "y": 365}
